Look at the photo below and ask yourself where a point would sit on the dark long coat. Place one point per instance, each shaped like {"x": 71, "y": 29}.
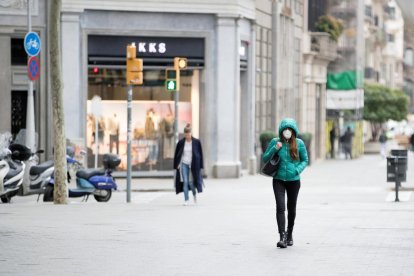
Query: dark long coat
{"x": 196, "y": 165}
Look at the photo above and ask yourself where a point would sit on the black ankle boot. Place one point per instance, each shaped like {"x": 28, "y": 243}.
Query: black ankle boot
{"x": 289, "y": 239}
{"x": 283, "y": 240}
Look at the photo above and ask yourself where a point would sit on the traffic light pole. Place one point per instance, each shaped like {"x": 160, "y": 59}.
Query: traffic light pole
{"x": 176, "y": 99}
{"x": 129, "y": 138}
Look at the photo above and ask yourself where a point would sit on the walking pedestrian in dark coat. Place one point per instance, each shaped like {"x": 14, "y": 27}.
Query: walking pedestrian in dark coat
{"x": 188, "y": 162}
{"x": 347, "y": 142}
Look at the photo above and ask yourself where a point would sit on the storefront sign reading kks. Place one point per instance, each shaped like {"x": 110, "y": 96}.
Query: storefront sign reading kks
{"x": 144, "y": 47}
{"x": 156, "y": 47}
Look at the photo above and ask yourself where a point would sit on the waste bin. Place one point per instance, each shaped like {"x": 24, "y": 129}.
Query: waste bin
{"x": 396, "y": 169}
{"x": 400, "y": 153}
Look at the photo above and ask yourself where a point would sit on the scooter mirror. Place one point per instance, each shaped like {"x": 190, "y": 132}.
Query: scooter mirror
{"x": 40, "y": 151}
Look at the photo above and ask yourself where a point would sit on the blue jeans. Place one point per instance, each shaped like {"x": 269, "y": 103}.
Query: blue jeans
{"x": 185, "y": 171}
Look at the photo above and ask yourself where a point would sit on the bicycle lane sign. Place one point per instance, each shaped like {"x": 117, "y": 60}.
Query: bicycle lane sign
{"x": 33, "y": 68}
{"x": 32, "y": 44}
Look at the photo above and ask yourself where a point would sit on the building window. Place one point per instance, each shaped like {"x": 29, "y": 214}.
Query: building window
{"x": 368, "y": 10}
{"x": 18, "y": 54}
{"x": 376, "y": 20}
{"x": 263, "y": 80}
{"x": 409, "y": 57}
{"x": 390, "y": 37}
{"x": 390, "y": 11}
{"x": 315, "y": 10}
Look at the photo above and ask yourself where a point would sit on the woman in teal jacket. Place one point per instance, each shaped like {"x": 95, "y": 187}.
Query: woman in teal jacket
{"x": 293, "y": 160}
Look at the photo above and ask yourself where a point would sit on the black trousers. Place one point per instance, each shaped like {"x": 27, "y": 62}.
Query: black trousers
{"x": 280, "y": 188}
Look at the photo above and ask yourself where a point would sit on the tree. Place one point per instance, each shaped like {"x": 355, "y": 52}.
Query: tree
{"x": 381, "y": 104}
{"x": 60, "y": 191}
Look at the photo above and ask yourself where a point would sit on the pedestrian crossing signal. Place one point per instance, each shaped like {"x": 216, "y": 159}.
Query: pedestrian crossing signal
{"x": 171, "y": 85}
{"x": 171, "y": 80}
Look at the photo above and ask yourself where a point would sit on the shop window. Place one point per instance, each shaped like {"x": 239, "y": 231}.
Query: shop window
{"x": 153, "y": 142}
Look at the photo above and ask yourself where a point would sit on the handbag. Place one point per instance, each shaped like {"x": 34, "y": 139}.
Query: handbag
{"x": 271, "y": 166}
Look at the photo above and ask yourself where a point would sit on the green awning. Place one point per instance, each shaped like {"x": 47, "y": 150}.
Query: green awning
{"x": 346, "y": 80}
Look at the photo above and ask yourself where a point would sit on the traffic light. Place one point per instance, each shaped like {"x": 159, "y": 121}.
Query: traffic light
{"x": 180, "y": 63}
{"x": 134, "y": 66}
{"x": 172, "y": 80}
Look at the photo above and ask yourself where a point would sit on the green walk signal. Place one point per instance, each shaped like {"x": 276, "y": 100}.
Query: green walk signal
{"x": 171, "y": 85}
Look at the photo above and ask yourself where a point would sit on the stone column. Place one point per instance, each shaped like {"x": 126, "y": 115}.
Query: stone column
{"x": 251, "y": 71}
{"x": 5, "y": 87}
{"x": 228, "y": 99}
{"x": 71, "y": 72}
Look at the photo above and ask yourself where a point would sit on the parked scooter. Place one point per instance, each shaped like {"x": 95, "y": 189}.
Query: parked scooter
{"x": 11, "y": 173}
{"x": 36, "y": 176}
{"x": 98, "y": 182}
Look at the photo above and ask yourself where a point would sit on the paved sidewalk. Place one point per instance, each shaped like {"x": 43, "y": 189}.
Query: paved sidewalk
{"x": 344, "y": 226}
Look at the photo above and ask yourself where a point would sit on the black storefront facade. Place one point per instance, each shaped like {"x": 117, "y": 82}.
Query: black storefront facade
{"x": 153, "y": 106}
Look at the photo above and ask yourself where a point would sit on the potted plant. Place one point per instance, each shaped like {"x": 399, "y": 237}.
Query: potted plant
{"x": 265, "y": 138}
{"x": 306, "y": 137}
{"x": 329, "y": 24}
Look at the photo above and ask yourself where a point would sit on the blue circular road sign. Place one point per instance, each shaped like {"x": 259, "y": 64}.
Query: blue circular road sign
{"x": 32, "y": 44}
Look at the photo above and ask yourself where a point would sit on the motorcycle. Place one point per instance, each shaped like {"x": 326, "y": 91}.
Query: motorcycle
{"x": 96, "y": 182}
{"x": 11, "y": 173}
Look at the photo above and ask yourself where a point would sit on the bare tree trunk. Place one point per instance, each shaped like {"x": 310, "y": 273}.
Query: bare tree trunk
{"x": 60, "y": 191}
{"x": 375, "y": 130}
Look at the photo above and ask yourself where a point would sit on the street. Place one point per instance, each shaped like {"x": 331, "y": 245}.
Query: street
{"x": 346, "y": 224}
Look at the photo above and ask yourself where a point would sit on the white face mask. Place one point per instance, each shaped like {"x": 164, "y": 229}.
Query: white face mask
{"x": 287, "y": 134}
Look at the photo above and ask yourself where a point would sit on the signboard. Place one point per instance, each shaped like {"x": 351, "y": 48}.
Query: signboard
{"x": 344, "y": 99}
{"x": 33, "y": 68}
{"x": 156, "y": 47}
{"x": 32, "y": 44}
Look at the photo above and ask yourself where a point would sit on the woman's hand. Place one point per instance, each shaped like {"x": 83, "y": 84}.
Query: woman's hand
{"x": 278, "y": 145}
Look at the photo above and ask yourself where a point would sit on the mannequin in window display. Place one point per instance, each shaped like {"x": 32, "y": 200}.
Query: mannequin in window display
{"x": 113, "y": 129}
{"x": 91, "y": 129}
{"x": 151, "y": 122}
{"x": 101, "y": 130}
{"x": 167, "y": 135}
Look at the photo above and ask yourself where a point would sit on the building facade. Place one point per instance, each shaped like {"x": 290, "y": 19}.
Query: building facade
{"x": 217, "y": 89}
{"x": 216, "y": 94}
{"x": 14, "y": 78}
{"x": 345, "y": 102}
{"x": 409, "y": 61}
{"x": 384, "y": 39}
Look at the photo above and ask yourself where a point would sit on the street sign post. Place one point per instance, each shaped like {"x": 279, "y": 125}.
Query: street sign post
{"x": 33, "y": 68}
{"x": 134, "y": 76}
{"x": 32, "y": 44}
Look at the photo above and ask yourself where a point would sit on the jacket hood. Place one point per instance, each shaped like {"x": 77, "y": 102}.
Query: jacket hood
{"x": 288, "y": 123}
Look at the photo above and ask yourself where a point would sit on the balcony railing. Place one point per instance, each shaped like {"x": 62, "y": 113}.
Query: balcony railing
{"x": 324, "y": 45}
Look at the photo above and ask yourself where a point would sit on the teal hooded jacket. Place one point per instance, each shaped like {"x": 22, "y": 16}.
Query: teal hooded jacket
{"x": 289, "y": 170}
